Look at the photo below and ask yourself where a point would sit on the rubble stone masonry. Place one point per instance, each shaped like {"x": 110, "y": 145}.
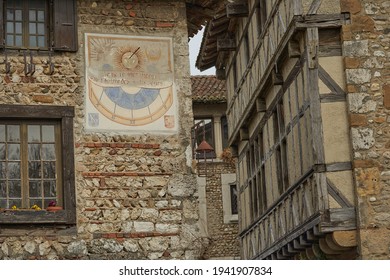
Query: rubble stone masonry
{"x": 136, "y": 196}
{"x": 366, "y": 43}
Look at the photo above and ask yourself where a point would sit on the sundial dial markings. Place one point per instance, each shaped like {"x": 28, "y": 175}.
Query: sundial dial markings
{"x": 100, "y": 98}
{"x": 150, "y": 113}
{"x": 114, "y": 112}
{"x": 162, "y": 100}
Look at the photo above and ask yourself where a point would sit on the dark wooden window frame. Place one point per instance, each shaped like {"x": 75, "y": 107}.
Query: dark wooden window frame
{"x": 233, "y": 199}
{"x": 62, "y": 25}
{"x": 198, "y": 130}
{"x": 65, "y": 115}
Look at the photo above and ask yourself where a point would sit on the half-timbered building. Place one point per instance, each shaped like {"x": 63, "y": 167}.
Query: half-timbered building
{"x": 307, "y": 108}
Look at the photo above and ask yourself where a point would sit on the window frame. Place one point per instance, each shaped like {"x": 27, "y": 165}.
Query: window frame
{"x": 62, "y": 26}
{"x": 25, "y": 25}
{"x": 198, "y": 130}
{"x": 65, "y": 115}
{"x": 227, "y": 180}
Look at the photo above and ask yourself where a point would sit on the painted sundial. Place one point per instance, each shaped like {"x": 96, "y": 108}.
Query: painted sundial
{"x": 130, "y": 83}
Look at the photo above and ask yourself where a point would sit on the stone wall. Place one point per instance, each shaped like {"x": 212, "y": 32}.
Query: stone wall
{"x": 222, "y": 236}
{"x": 136, "y": 196}
{"x": 367, "y": 61}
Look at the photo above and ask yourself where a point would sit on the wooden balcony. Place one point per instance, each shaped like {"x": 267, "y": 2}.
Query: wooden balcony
{"x": 298, "y": 222}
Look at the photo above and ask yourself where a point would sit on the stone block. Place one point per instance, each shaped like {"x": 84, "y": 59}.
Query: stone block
{"x": 361, "y": 103}
{"x": 352, "y": 62}
{"x": 356, "y": 48}
{"x": 358, "y": 76}
{"x": 362, "y": 23}
{"x": 362, "y": 138}
{"x": 350, "y": 6}
{"x": 368, "y": 181}
{"x": 78, "y": 247}
{"x": 358, "y": 120}
{"x": 143, "y": 226}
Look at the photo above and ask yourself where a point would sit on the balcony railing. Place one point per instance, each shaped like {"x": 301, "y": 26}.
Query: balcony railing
{"x": 297, "y": 210}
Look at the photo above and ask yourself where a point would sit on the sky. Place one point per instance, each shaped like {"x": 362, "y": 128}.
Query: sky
{"x": 194, "y": 50}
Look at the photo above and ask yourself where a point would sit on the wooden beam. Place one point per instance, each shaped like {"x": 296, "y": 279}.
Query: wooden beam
{"x": 260, "y": 105}
{"x": 237, "y": 9}
{"x": 293, "y": 48}
{"x": 277, "y": 78}
{"x": 244, "y": 134}
{"x": 315, "y": 5}
{"x": 338, "y": 219}
{"x": 345, "y": 238}
{"x": 220, "y": 74}
{"x": 226, "y": 44}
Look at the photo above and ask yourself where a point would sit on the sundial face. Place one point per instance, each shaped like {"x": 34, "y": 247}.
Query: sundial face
{"x": 130, "y": 82}
{"x": 130, "y": 60}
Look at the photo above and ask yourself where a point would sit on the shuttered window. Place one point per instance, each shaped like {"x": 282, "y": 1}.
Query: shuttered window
{"x": 36, "y": 164}
{"x": 38, "y": 24}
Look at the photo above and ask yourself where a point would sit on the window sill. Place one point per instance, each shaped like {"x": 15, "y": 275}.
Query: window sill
{"x": 30, "y": 216}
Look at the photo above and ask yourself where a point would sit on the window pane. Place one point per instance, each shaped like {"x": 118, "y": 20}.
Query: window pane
{"x": 41, "y": 29}
{"x": 33, "y": 15}
{"x": 10, "y": 14}
{"x": 41, "y": 16}
{"x": 10, "y": 27}
{"x": 34, "y": 170}
{"x": 15, "y": 202}
{"x": 41, "y": 41}
{"x": 32, "y": 28}
{"x": 18, "y": 15}
{"x": 33, "y": 41}
{"x": 18, "y": 41}
{"x": 49, "y": 189}
{"x": 34, "y": 133}
{"x": 10, "y": 40}
{"x": 3, "y": 189}
{"x": 13, "y": 133}
{"x": 2, "y": 151}
{"x": 49, "y": 170}
{"x": 3, "y": 203}
{"x": 35, "y": 202}
{"x": 48, "y": 152}
{"x": 34, "y": 151}
{"x": 48, "y": 133}
{"x": 13, "y": 170}
{"x": 18, "y": 28}
{"x": 2, "y": 133}
{"x": 13, "y": 152}
{"x": 35, "y": 189}
{"x": 15, "y": 189}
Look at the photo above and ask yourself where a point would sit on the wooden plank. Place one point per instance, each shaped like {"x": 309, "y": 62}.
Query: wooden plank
{"x": 226, "y": 44}
{"x": 313, "y": 90}
{"x": 32, "y": 217}
{"x": 338, "y": 219}
{"x": 315, "y": 5}
{"x": 297, "y": 7}
{"x": 332, "y": 97}
{"x": 68, "y": 169}
{"x": 35, "y": 111}
{"x": 337, "y": 195}
{"x": 329, "y": 81}
{"x": 237, "y": 10}
{"x": 321, "y": 21}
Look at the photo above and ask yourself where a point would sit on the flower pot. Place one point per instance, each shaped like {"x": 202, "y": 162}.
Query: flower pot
{"x": 53, "y": 208}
